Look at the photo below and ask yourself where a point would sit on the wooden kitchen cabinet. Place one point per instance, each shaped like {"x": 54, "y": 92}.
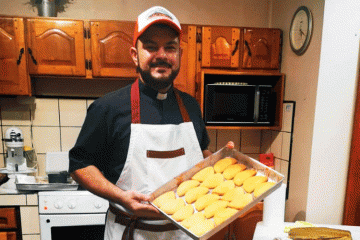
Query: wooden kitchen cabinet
{"x": 14, "y": 77}
{"x": 261, "y": 48}
{"x": 110, "y": 48}
{"x": 9, "y": 223}
{"x": 220, "y": 47}
{"x": 56, "y": 47}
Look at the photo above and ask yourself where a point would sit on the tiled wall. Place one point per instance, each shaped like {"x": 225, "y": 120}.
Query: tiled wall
{"x": 53, "y": 124}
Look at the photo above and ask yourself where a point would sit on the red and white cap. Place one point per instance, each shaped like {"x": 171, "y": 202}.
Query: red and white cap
{"x": 152, "y": 16}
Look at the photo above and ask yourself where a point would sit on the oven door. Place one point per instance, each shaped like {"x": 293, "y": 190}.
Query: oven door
{"x": 72, "y": 226}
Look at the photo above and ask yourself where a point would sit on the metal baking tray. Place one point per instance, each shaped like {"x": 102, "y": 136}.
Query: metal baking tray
{"x": 42, "y": 184}
{"x": 226, "y": 151}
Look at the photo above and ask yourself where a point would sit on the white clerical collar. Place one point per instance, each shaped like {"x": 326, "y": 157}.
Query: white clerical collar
{"x": 161, "y": 96}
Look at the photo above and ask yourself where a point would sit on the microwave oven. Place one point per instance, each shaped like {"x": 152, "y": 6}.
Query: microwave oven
{"x": 239, "y": 104}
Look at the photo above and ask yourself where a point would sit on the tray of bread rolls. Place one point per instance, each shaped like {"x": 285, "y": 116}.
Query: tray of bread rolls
{"x": 206, "y": 198}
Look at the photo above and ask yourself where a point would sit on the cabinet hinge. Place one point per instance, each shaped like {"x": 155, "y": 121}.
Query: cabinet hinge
{"x": 198, "y": 37}
{"x": 200, "y": 56}
{"x": 88, "y": 64}
{"x": 86, "y": 33}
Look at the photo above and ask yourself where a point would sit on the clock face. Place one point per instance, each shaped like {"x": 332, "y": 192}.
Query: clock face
{"x": 300, "y": 30}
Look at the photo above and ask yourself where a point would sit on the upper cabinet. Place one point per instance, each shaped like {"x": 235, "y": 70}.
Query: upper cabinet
{"x": 220, "y": 47}
{"x": 14, "y": 77}
{"x": 110, "y": 49}
{"x": 261, "y": 48}
{"x": 56, "y": 47}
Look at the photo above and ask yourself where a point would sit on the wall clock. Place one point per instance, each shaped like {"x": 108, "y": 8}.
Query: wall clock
{"x": 301, "y": 30}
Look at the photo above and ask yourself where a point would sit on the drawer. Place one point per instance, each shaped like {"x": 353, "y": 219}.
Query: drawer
{"x": 8, "y": 235}
{"x": 7, "y": 218}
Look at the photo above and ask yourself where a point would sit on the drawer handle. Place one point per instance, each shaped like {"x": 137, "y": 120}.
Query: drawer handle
{"x": 20, "y": 56}
{"x": 236, "y": 48}
{"x": 32, "y": 57}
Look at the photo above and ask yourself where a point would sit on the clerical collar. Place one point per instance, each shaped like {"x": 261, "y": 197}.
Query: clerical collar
{"x": 152, "y": 92}
{"x": 161, "y": 96}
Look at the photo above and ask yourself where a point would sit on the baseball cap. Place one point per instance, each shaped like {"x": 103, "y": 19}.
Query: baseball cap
{"x": 152, "y": 16}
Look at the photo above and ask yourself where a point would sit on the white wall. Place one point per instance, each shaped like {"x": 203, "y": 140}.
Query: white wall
{"x": 335, "y": 100}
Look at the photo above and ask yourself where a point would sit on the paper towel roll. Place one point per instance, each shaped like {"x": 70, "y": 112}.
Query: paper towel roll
{"x": 274, "y": 207}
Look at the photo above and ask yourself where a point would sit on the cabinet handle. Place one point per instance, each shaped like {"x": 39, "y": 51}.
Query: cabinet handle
{"x": 248, "y": 48}
{"x": 32, "y": 57}
{"x": 236, "y": 48}
{"x": 20, "y": 56}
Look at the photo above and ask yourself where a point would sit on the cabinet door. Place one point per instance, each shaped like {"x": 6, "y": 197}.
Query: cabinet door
{"x": 14, "y": 79}
{"x": 220, "y": 47}
{"x": 243, "y": 228}
{"x": 8, "y": 235}
{"x": 110, "y": 49}
{"x": 261, "y": 48}
{"x": 223, "y": 234}
{"x": 185, "y": 81}
{"x": 56, "y": 47}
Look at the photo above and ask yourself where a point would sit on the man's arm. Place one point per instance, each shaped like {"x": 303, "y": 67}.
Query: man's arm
{"x": 93, "y": 180}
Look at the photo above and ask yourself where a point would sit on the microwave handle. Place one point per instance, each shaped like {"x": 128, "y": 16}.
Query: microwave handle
{"x": 257, "y": 103}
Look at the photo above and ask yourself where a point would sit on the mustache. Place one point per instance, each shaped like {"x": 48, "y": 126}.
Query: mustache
{"x": 161, "y": 64}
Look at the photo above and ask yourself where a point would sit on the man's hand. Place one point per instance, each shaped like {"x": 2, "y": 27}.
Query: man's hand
{"x": 138, "y": 204}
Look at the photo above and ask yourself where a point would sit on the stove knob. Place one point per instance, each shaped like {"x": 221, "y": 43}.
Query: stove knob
{"x": 72, "y": 204}
{"x": 58, "y": 205}
{"x": 98, "y": 205}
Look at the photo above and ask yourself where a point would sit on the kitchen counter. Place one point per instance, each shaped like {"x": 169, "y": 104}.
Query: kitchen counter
{"x": 270, "y": 232}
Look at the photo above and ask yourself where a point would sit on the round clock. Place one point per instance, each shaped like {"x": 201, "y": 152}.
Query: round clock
{"x": 300, "y": 30}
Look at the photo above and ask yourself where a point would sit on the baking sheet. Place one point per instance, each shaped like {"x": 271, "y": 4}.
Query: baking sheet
{"x": 42, "y": 184}
{"x": 172, "y": 185}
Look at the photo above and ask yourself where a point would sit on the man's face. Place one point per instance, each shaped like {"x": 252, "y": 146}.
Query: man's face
{"x": 157, "y": 56}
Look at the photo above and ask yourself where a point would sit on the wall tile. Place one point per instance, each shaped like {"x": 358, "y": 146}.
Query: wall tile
{"x": 72, "y": 112}
{"x": 46, "y": 139}
{"x": 285, "y": 149}
{"x": 224, "y": 136}
{"x": 212, "y": 135}
{"x": 15, "y": 114}
{"x": 69, "y": 136}
{"x": 46, "y": 112}
{"x": 277, "y": 165}
{"x": 266, "y": 141}
{"x": 284, "y": 170}
{"x": 2, "y": 160}
{"x": 277, "y": 143}
{"x": 41, "y": 158}
{"x": 250, "y": 141}
{"x": 288, "y": 109}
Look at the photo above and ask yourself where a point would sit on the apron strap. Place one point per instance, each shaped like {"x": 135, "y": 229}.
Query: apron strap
{"x": 131, "y": 222}
{"x": 135, "y": 104}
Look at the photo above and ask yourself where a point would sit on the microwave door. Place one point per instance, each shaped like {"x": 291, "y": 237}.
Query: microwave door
{"x": 256, "y": 105}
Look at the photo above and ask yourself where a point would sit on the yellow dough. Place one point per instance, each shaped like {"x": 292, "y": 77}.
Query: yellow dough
{"x": 232, "y": 170}
{"x": 172, "y": 205}
{"x": 232, "y": 194}
{"x": 262, "y": 187}
{"x": 186, "y": 186}
{"x": 193, "y": 194}
{"x": 205, "y": 201}
{"x": 201, "y": 227}
{"x": 221, "y": 216}
{"x": 242, "y": 176}
{"x": 193, "y": 219}
{"x": 203, "y": 173}
{"x": 224, "y": 187}
{"x": 159, "y": 201}
{"x": 220, "y": 165}
{"x": 240, "y": 203}
{"x": 183, "y": 213}
{"x": 251, "y": 183}
{"x": 213, "y": 208}
{"x": 213, "y": 181}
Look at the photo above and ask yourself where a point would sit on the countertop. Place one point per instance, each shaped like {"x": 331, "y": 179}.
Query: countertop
{"x": 263, "y": 232}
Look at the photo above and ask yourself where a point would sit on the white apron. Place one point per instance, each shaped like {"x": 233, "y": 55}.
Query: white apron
{"x": 157, "y": 153}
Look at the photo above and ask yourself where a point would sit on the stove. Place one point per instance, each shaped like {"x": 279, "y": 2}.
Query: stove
{"x": 80, "y": 211}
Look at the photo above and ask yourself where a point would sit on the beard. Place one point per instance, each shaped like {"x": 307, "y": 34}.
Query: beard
{"x": 157, "y": 83}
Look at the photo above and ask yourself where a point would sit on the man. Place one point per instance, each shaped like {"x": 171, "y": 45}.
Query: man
{"x": 139, "y": 137}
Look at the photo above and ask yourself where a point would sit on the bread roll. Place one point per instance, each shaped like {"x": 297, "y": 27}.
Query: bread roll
{"x": 193, "y": 219}
{"x": 183, "y": 213}
{"x": 193, "y": 194}
{"x": 224, "y": 187}
{"x": 201, "y": 227}
{"x": 242, "y": 176}
{"x": 172, "y": 205}
{"x": 215, "y": 207}
{"x": 213, "y": 181}
{"x": 232, "y": 170}
{"x": 186, "y": 186}
{"x": 241, "y": 202}
{"x": 232, "y": 194}
{"x": 220, "y": 165}
{"x": 251, "y": 183}
{"x": 203, "y": 173}
{"x": 221, "y": 216}
{"x": 159, "y": 201}
{"x": 205, "y": 200}
{"x": 262, "y": 187}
